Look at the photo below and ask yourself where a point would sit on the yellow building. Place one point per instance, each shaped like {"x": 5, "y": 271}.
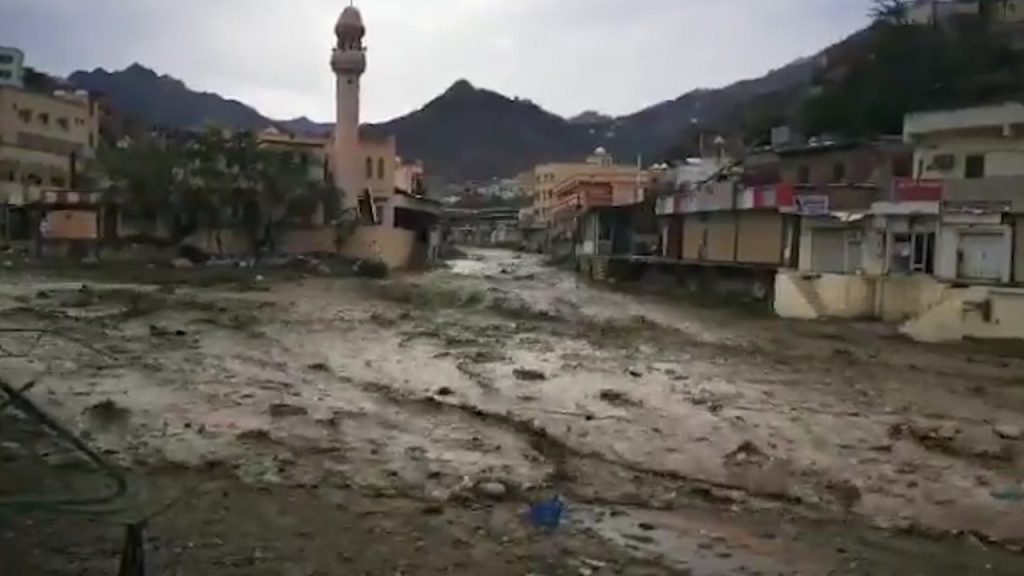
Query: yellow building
{"x": 311, "y": 152}
{"x": 44, "y": 138}
{"x": 547, "y": 179}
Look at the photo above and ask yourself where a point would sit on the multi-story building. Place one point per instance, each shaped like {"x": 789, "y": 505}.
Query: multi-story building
{"x": 11, "y": 67}
{"x": 45, "y": 138}
{"x": 549, "y": 181}
{"x": 310, "y": 152}
{"x": 969, "y": 164}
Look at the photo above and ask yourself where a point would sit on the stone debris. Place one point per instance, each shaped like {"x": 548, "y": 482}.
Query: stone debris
{"x": 528, "y": 375}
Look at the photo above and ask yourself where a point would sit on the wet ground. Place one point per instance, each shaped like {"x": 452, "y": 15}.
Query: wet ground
{"x": 336, "y": 426}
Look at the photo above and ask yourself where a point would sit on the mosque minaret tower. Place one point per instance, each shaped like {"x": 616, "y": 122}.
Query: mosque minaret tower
{"x": 348, "y": 61}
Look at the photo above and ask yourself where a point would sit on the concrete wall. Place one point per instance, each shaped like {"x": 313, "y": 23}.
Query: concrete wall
{"x": 977, "y": 312}
{"x": 321, "y": 240}
{"x": 393, "y": 246}
{"x": 814, "y": 296}
{"x": 760, "y": 238}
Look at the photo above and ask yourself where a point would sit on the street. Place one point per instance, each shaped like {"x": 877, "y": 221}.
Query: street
{"x": 404, "y": 426}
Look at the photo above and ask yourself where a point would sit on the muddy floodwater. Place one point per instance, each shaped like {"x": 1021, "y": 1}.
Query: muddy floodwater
{"x": 405, "y": 426}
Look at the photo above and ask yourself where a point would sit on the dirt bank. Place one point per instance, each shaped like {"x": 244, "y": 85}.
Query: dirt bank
{"x": 430, "y": 410}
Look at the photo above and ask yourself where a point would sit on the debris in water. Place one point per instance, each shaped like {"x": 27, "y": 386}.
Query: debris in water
{"x": 547, "y": 514}
{"x": 493, "y": 489}
{"x": 618, "y": 398}
{"x": 528, "y": 375}
{"x": 1009, "y": 432}
{"x": 108, "y": 412}
{"x": 747, "y": 453}
{"x": 283, "y": 410}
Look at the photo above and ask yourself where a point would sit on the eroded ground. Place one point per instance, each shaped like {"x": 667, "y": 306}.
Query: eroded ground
{"x": 335, "y": 426}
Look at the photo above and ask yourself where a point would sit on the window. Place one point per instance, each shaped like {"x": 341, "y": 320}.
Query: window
{"x": 902, "y": 167}
{"x": 380, "y": 168}
{"x": 5, "y": 74}
{"x": 25, "y": 114}
{"x": 64, "y": 124}
{"x": 57, "y": 181}
{"x": 369, "y": 168}
{"x": 839, "y": 172}
{"x": 92, "y": 140}
{"x": 44, "y": 118}
{"x": 803, "y": 174}
{"x": 943, "y": 162}
{"x": 974, "y": 166}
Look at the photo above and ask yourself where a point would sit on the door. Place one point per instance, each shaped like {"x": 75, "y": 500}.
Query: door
{"x": 828, "y": 250}
{"x": 982, "y": 256}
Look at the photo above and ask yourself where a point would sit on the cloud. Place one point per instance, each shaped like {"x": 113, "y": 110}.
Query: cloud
{"x": 567, "y": 55}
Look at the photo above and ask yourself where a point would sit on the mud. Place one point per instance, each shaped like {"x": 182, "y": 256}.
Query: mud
{"x": 363, "y": 426}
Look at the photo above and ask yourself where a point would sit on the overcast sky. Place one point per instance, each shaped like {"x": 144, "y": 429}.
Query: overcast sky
{"x": 616, "y": 56}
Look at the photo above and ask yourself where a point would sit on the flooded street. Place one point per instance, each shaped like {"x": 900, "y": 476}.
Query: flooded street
{"x": 404, "y": 426}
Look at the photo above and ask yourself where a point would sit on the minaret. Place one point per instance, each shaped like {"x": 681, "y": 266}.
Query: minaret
{"x": 348, "y": 62}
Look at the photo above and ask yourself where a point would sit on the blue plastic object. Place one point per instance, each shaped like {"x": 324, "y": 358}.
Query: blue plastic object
{"x": 548, "y": 513}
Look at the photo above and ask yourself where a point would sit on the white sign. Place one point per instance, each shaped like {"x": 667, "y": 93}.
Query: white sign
{"x": 816, "y": 205}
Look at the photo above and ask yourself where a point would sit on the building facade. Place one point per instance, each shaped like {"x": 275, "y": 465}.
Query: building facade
{"x": 12, "y": 69}
{"x": 45, "y": 139}
{"x": 548, "y": 182}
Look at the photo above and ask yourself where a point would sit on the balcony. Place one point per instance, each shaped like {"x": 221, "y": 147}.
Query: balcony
{"x": 998, "y": 193}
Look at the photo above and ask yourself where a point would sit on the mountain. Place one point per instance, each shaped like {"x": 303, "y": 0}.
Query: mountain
{"x": 142, "y": 94}
{"x": 590, "y": 117}
{"x": 472, "y": 133}
{"x": 469, "y": 132}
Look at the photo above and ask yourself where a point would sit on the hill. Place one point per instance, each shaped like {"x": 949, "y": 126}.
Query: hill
{"x": 141, "y": 94}
{"x": 466, "y": 132}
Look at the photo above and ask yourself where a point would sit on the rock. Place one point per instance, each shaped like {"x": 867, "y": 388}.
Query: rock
{"x": 617, "y": 398}
{"x": 1009, "y": 432}
{"x": 528, "y": 375}
{"x": 319, "y": 367}
{"x": 444, "y": 391}
{"x": 493, "y": 489}
{"x": 646, "y": 526}
{"x": 634, "y": 373}
{"x": 283, "y": 410}
{"x": 182, "y": 263}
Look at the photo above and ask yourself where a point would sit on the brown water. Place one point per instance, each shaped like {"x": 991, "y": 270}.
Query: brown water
{"x": 701, "y": 439}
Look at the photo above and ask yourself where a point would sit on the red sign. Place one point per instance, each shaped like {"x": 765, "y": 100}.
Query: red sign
{"x": 913, "y": 190}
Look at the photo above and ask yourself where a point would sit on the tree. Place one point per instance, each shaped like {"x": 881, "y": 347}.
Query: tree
{"x": 891, "y": 11}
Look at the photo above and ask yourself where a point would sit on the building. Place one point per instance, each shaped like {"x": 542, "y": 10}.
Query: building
{"x": 395, "y": 226}
{"x": 549, "y": 177}
{"x": 943, "y": 252}
{"x": 12, "y": 72}
{"x": 970, "y": 171}
{"x": 835, "y": 184}
{"x": 311, "y": 152}
{"x": 45, "y": 142}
